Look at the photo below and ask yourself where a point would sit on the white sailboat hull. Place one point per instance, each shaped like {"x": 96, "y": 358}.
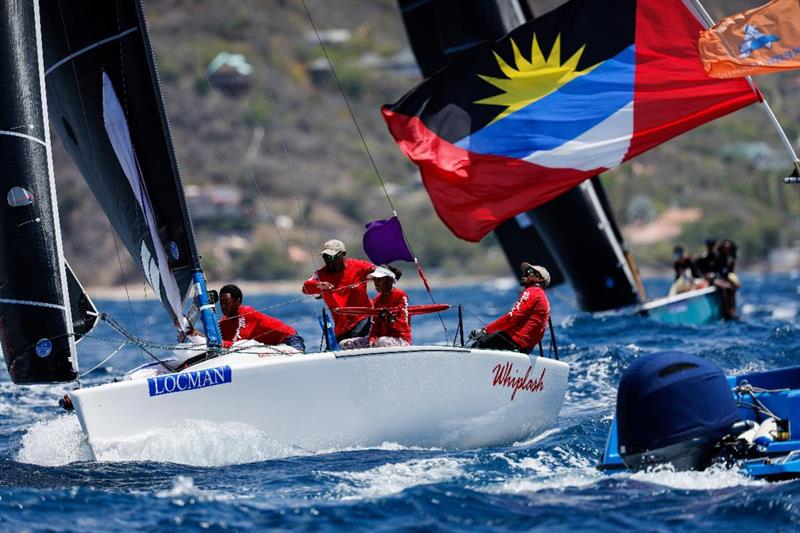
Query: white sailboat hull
{"x": 420, "y": 395}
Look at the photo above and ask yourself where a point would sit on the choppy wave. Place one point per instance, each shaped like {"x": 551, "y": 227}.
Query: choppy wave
{"x": 200, "y": 475}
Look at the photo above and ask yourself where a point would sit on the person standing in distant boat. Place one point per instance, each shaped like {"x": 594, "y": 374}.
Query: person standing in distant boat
{"x": 342, "y": 282}
{"x": 242, "y": 322}
{"x": 392, "y": 327}
{"x": 726, "y": 279}
{"x": 707, "y": 263}
{"x": 522, "y": 328}
{"x": 687, "y": 276}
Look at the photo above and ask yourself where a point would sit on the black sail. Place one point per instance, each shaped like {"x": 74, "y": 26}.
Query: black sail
{"x": 105, "y": 103}
{"x": 35, "y": 321}
{"x": 575, "y": 235}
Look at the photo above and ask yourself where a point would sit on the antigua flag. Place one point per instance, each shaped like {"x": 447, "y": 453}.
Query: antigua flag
{"x": 510, "y": 125}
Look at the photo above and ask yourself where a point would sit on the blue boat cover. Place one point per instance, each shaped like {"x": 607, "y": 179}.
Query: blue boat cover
{"x": 671, "y": 397}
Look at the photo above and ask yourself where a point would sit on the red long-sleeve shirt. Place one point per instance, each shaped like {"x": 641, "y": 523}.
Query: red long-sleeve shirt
{"x": 251, "y": 324}
{"x": 527, "y": 320}
{"x": 355, "y": 273}
{"x": 397, "y": 301}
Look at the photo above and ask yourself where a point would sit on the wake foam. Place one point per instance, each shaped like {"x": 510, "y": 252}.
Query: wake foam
{"x": 54, "y": 442}
{"x": 60, "y": 441}
{"x": 713, "y": 478}
{"x": 394, "y": 478}
{"x": 196, "y": 443}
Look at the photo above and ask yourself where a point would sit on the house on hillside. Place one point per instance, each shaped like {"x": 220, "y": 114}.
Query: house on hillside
{"x": 230, "y": 73}
{"x": 215, "y": 204}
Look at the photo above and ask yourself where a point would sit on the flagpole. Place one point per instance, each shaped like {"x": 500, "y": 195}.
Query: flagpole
{"x": 764, "y": 105}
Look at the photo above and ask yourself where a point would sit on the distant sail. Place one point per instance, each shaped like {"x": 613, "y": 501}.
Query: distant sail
{"x": 106, "y": 105}
{"x": 35, "y": 319}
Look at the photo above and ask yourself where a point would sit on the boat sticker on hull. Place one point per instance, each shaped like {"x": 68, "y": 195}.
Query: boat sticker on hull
{"x": 184, "y": 381}
{"x": 505, "y": 376}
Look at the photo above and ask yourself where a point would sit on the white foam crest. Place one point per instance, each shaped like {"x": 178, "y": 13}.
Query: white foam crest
{"x": 54, "y": 442}
{"x": 563, "y": 480}
{"x": 536, "y": 439}
{"x": 394, "y": 478}
{"x": 184, "y": 491}
{"x": 713, "y": 478}
{"x": 591, "y": 384}
{"x": 196, "y": 443}
{"x": 784, "y": 313}
{"x": 556, "y": 469}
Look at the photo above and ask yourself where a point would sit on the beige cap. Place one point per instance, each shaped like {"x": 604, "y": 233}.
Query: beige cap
{"x": 381, "y": 272}
{"x": 540, "y": 270}
{"x": 332, "y": 247}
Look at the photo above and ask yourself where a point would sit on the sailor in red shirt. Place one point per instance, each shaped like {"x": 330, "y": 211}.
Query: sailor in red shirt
{"x": 522, "y": 328}
{"x": 392, "y": 327}
{"x": 244, "y": 322}
{"x": 342, "y": 283}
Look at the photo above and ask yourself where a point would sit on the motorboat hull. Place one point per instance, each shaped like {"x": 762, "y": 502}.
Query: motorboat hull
{"x": 420, "y": 395}
{"x": 696, "y": 307}
{"x": 779, "y": 391}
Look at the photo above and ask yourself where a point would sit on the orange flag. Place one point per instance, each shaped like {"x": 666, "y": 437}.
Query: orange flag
{"x": 763, "y": 40}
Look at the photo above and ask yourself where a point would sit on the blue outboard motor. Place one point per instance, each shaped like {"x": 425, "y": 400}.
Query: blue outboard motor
{"x": 672, "y": 407}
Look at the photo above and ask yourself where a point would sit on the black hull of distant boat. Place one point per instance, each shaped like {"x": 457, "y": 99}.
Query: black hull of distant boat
{"x": 33, "y": 312}
{"x": 101, "y": 50}
{"x": 569, "y": 235}
{"x": 588, "y": 247}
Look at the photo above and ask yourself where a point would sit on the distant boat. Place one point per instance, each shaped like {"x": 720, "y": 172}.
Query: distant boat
{"x": 90, "y": 66}
{"x": 700, "y": 306}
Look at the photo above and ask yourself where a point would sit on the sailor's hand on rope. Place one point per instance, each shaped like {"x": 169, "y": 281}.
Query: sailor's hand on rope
{"x": 325, "y": 286}
{"x": 477, "y": 333}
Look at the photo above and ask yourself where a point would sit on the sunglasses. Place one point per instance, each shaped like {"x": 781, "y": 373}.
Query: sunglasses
{"x": 529, "y": 272}
{"x": 330, "y": 258}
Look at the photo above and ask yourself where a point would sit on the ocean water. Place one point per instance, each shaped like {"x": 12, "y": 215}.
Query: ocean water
{"x": 219, "y": 477}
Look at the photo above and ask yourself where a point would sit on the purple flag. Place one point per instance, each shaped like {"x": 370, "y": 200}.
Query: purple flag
{"x": 384, "y": 242}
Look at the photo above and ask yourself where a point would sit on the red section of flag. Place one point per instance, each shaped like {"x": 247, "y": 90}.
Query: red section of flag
{"x": 672, "y": 92}
{"x": 472, "y": 193}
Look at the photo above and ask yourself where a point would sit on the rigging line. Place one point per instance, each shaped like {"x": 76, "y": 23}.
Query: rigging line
{"x": 98, "y": 365}
{"x": 281, "y": 132}
{"x": 125, "y": 284}
{"x": 119, "y": 329}
{"x": 366, "y": 148}
{"x": 349, "y": 109}
{"x": 217, "y": 101}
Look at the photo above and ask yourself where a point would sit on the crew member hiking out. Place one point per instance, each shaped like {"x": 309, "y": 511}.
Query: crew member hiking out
{"x": 242, "y": 322}
{"x": 523, "y": 327}
{"x": 392, "y": 327}
{"x": 342, "y": 283}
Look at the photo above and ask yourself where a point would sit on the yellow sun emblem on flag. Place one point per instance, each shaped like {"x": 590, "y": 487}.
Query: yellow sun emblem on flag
{"x": 534, "y": 79}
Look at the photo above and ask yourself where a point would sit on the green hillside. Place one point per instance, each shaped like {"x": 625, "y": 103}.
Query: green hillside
{"x": 282, "y": 147}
